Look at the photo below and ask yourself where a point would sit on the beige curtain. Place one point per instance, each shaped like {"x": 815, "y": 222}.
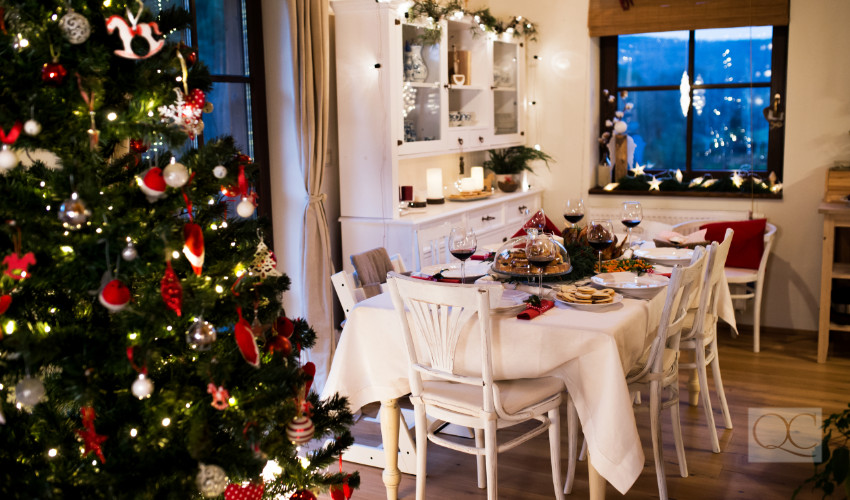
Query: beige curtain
{"x": 310, "y": 41}
{"x": 607, "y": 17}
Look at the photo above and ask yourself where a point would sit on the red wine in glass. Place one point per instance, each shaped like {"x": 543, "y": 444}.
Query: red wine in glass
{"x": 541, "y": 262}
{"x": 599, "y": 245}
{"x": 463, "y": 254}
{"x": 630, "y": 223}
{"x": 573, "y": 218}
{"x": 462, "y": 244}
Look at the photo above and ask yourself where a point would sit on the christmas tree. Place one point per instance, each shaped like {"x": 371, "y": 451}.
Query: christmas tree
{"x": 144, "y": 352}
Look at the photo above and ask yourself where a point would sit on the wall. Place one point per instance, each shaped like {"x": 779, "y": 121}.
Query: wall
{"x": 564, "y": 82}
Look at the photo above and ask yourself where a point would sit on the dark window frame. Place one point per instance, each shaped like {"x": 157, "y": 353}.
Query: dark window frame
{"x": 608, "y": 79}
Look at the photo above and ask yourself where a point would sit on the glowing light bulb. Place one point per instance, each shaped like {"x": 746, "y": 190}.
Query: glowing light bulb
{"x": 134, "y": 432}
{"x": 219, "y": 289}
{"x": 175, "y": 254}
{"x": 112, "y": 116}
{"x": 166, "y": 422}
{"x": 52, "y": 452}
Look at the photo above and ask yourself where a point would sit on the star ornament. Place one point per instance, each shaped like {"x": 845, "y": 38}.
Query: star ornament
{"x": 638, "y": 170}
{"x": 654, "y": 184}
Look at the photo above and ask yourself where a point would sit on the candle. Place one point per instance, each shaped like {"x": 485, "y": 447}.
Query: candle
{"x": 466, "y": 185}
{"x": 478, "y": 178}
{"x": 434, "y": 183}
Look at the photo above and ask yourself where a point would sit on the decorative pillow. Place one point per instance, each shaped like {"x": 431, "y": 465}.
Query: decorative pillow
{"x": 747, "y": 242}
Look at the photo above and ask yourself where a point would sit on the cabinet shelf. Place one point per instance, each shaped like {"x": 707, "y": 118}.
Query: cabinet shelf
{"x": 504, "y": 89}
{"x": 841, "y": 270}
{"x": 422, "y": 85}
{"x": 476, "y": 88}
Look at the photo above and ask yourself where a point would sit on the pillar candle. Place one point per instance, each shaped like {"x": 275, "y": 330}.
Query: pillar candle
{"x": 478, "y": 177}
{"x": 434, "y": 183}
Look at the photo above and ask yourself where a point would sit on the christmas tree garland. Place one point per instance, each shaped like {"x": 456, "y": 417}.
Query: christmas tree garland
{"x": 430, "y": 13}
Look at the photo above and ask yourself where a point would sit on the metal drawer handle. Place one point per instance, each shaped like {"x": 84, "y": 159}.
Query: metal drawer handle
{"x": 522, "y": 208}
{"x": 489, "y": 217}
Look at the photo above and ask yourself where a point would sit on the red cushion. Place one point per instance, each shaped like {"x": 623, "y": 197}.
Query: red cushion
{"x": 747, "y": 242}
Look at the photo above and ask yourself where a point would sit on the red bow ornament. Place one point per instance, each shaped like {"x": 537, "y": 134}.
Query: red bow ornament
{"x": 92, "y": 439}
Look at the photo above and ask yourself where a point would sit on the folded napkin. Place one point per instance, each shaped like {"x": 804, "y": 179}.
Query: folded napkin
{"x": 487, "y": 256}
{"x": 441, "y": 280}
{"x": 550, "y": 228}
{"x": 532, "y": 312}
{"x": 674, "y": 239}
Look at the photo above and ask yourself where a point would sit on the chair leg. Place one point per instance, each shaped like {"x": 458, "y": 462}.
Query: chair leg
{"x": 572, "y": 442}
{"x": 492, "y": 465}
{"x": 757, "y": 318}
{"x": 718, "y": 383}
{"x": 421, "y": 450}
{"x": 706, "y": 398}
{"x": 479, "y": 459}
{"x": 555, "y": 449}
{"x": 582, "y": 455}
{"x": 657, "y": 444}
{"x": 677, "y": 436}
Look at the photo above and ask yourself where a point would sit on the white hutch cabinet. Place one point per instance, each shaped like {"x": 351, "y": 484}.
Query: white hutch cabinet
{"x": 394, "y": 124}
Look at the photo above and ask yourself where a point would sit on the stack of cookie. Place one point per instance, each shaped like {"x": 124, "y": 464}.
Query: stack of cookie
{"x": 585, "y": 295}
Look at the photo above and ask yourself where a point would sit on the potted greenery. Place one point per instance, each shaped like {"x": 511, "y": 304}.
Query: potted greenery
{"x": 834, "y": 475}
{"x": 508, "y": 163}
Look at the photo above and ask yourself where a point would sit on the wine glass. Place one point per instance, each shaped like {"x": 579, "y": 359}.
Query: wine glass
{"x": 537, "y": 222}
{"x": 600, "y": 235}
{"x": 631, "y": 216}
{"x": 574, "y": 211}
{"x": 462, "y": 244}
{"x": 540, "y": 251}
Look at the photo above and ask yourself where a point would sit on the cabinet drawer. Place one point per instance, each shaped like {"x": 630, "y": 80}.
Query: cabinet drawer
{"x": 521, "y": 210}
{"x": 485, "y": 219}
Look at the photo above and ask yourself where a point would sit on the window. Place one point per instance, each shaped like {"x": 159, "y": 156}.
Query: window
{"x": 695, "y": 100}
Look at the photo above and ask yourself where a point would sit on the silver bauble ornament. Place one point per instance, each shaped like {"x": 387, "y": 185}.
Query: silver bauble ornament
{"x": 211, "y": 480}
{"x": 74, "y": 212}
{"x": 175, "y": 174}
{"x": 29, "y": 391}
{"x": 75, "y": 27}
{"x": 201, "y": 335}
{"x": 220, "y": 171}
{"x": 8, "y": 159}
{"x": 245, "y": 208}
{"x": 300, "y": 430}
{"x": 32, "y": 128}
{"x": 129, "y": 253}
{"x": 142, "y": 388}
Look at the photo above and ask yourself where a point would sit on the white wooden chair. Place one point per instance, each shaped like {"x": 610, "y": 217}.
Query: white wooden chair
{"x": 438, "y": 314}
{"x": 752, "y": 280}
{"x": 701, "y": 336}
{"x": 433, "y": 245}
{"x": 348, "y": 289}
{"x": 658, "y": 369}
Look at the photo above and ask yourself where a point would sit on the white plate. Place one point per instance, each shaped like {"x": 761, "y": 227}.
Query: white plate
{"x": 474, "y": 269}
{"x": 667, "y": 256}
{"x": 512, "y": 301}
{"x": 591, "y": 307}
{"x": 632, "y": 285}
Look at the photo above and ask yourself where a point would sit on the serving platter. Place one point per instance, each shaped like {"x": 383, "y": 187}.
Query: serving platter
{"x": 631, "y": 284}
{"x": 591, "y": 307}
{"x": 667, "y": 256}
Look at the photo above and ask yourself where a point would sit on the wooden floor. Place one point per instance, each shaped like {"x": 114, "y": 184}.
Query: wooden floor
{"x": 784, "y": 374}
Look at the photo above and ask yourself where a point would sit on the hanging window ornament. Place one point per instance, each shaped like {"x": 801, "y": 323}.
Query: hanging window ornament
{"x": 91, "y": 438}
{"x": 73, "y": 212}
{"x": 127, "y": 31}
{"x": 170, "y": 289}
{"x": 75, "y": 27}
{"x": 8, "y": 158}
{"x": 246, "y": 341}
{"x": 265, "y": 263}
{"x": 211, "y": 480}
{"x": 193, "y": 248}
{"x": 220, "y": 396}
{"x": 201, "y": 335}
{"x": 152, "y": 183}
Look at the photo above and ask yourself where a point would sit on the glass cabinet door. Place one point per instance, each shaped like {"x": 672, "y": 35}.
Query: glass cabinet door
{"x": 505, "y": 88}
{"x": 422, "y": 101}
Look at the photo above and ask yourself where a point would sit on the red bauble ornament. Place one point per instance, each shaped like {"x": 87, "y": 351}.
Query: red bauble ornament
{"x": 280, "y": 344}
{"x": 114, "y": 296}
{"x": 310, "y": 370}
{"x": 171, "y": 290}
{"x": 193, "y": 248}
{"x": 191, "y": 58}
{"x": 246, "y": 341}
{"x": 138, "y": 146}
{"x": 196, "y": 99}
{"x": 303, "y": 495}
{"x": 16, "y": 267}
{"x": 53, "y": 73}
{"x": 5, "y": 302}
{"x": 152, "y": 184}
{"x": 341, "y": 491}
{"x": 248, "y": 492}
{"x": 284, "y": 326}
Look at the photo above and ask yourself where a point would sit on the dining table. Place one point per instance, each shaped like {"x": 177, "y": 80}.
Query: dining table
{"x": 589, "y": 350}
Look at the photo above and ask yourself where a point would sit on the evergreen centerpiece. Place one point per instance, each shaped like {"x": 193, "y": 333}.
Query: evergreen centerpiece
{"x": 144, "y": 352}
{"x": 509, "y": 162}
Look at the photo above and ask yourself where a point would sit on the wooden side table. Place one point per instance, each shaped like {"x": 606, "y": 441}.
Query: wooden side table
{"x": 835, "y": 215}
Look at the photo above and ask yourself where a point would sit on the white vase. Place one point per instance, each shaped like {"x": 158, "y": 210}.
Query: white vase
{"x": 414, "y": 65}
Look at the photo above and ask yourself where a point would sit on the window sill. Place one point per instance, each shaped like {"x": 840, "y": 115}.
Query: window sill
{"x": 686, "y": 194}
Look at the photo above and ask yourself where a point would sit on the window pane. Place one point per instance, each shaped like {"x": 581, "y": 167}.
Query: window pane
{"x": 733, "y": 55}
{"x": 230, "y": 115}
{"x": 730, "y": 132}
{"x": 658, "y": 128}
{"x": 652, "y": 58}
{"x": 221, "y": 36}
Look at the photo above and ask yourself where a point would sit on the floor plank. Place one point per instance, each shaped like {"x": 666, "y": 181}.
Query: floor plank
{"x": 784, "y": 374}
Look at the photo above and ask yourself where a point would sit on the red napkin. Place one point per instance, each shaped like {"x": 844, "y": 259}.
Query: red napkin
{"x": 487, "y": 256}
{"x": 442, "y": 280}
{"x": 550, "y": 227}
{"x": 532, "y": 312}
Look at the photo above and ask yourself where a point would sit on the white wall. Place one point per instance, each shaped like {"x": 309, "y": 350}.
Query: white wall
{"x": 564, "y": 82}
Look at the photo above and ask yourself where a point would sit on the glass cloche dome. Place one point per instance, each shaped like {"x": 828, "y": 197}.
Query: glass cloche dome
{"x": 511, "y": 259}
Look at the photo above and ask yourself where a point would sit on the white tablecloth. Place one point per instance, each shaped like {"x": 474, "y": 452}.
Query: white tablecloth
{"x": 588, "y": 350}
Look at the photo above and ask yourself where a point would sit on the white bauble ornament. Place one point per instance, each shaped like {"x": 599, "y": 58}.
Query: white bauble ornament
{"x": 620, "y": 127}
{"x": 176, "y": 175}
{"x": 142, "y": 387}
{"x": 219, "y": 172}
{"x": 245, "y": 208}
{"x": 211, "y": 480}
{"x": 75, "y": 27}
{"x": 129, "y": 253}
{"x": 29, "y": 391}
{"x": 8, "y": 159}
{"x": 32, "y": 128}
{"x": 300, "y": 430}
